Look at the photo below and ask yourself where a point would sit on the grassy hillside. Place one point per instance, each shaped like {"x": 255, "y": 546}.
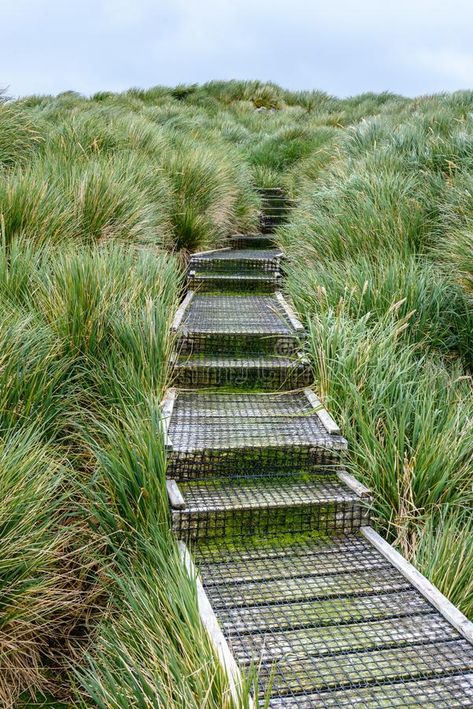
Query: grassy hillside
{"x": 101, "y": 200}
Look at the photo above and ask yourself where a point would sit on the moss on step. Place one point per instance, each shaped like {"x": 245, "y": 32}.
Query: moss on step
{"x": 258, "y": 541}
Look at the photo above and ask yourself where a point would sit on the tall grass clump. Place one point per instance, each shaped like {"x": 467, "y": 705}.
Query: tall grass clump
{"x": 211, "y": 197}
{"x": 409, "y": 423}
{"x": 351, "y": 212}
{"x": 19, "y": 137}
{"x": 150, "y": 645}
{"x": 378, "y": 267}
{"x": 86, "y": 547}
{"x": 440, "y": 315}
{"x": 408, "y": 419}
{"x": 454, "y": 248}
{"x": 44, "y": 571}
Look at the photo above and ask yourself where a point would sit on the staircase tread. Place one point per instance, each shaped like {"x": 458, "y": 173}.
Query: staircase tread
{"x": 300, "y": 570}
{"x": 301, "y": 565}
{"x": 236, "y": 314}
{"x": 336, "y": 639}
{"x": 290, "y": 616}
{"x": 216, "y": 421}
{"x": 230, "y": 493}
{"x": 416, "y": 661}
{"x": 447, "y": 691}
{"x": 238, "y": 361}
{"x": 244, "y": 275}
{"x": 323, "y": 617}
{"x": 231, "y": 254}
{"x": 250, "y": 550}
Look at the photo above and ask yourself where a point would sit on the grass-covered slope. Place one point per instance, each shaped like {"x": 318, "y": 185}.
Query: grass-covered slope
{"x": 101, "y": 199}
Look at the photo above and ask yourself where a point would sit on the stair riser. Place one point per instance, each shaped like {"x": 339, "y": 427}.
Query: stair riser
{"x": 229, "y": 266}
{"x": 284, "y": 460}
{"x": 251, "y": 242}
{"x": 273, "y": 218}
{"x": 226, "y": 285}
{"x": 246, "y": 377}
{"x": 268, "y": 226}
{"x": 237, "y": 344}
{"x": 329, "y": 518}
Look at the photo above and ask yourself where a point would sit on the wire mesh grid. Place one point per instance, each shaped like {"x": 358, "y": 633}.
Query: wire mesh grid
{"x": 275, "y": 207}
{"x": 245, "y": 241}
{"x": 306, "y": 586}
{"x": 246, "y": 372}
{"x": 333, "y": 611}
{"x": 237, "y": 434}
{"x": 240, "y": 507}
{"x": 219, "y": 314}
{"x": 421, "y": 660}
{"x": 428, "y": 693}
{"x": 250, "y": 342}
{"x": 232, "y": 553}
{"x": 245, "y": 282}
{"x": 333, "y": 624}
{"x": 258, "y": 261}
{"x": 236, "y": 324}
{"x": 332, "y": 640}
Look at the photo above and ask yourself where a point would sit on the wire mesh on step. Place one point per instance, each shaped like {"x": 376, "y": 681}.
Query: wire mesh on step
{"x": 329, "y": 622}
{"x": 234, "y": 260}
{"x": 212, "y": 434}
{"x": 264, "y": 372}
{"x": 236, "y": 324}
{"x": 244, "y": 282}
{"x": 244, "y": 506}
{"x": 275, "y": 206}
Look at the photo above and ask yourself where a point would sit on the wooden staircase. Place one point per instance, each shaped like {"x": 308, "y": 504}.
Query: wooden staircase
{"x": 292, "y": 578}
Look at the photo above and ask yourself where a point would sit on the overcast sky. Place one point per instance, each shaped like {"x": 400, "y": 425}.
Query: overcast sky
{"x": 410, "y": 47}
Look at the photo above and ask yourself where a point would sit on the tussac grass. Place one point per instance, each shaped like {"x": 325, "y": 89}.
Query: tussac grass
{"x": 379, "y": 266}
{"x": 99, "y": 200}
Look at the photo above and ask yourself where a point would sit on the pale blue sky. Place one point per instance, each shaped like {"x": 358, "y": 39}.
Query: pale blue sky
{"x": 410, "y": 47}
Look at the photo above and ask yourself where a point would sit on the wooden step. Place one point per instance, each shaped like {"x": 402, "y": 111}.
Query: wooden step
{"x": 336, "y": 624}
{"x": 251, "y": 241}
{"x": 276, "y": 645}
{"x": 263, "y": 372}
{"x": 264, "y": 619}
{"x": 238, "y": 507}
{"x": 210, "y": 434}
{"x": 229, "y": 260}
{"x": 236, "y": 324}
{"x": 239, "y": 281}
{"x": 455, "y": 690}
{"x": 420, "y": 660}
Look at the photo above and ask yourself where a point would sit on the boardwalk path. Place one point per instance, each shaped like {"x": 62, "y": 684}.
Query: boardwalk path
{"x": 298, "y": 581}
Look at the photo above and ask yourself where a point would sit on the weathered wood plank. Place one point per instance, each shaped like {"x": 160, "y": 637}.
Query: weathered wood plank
{"x": 325, "y": 419}
{"x": 167, "y": 407}
{"x": 438, "y": 600}
{"x": 181, "y": 310}
{"x": 299, "y": 565}
{"x": 291, "y": 316}
{"x": 304, "y": 675}
{"x": 307, "y": 587}
{"x": 214, "y": 631}
{"x": 262, "y": 619}
{"x": 310, "y": 545}
{"x": 357, "y": 487}
{"x": 333, "y": 639}
{"x": 176, "y": 499}
{"x": 456, "y": 691}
